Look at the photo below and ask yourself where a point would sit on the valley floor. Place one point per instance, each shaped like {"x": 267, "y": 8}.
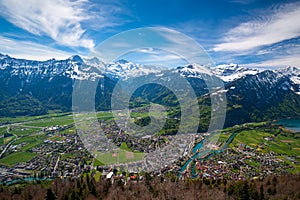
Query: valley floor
{"x": 44, "y": 148}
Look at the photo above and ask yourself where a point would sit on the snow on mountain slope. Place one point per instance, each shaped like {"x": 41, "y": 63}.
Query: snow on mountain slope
{"x": 123, "y": 69}
{"x": 94, "y": 62}
{"x": 292, "y": 72}
{"x": 193, "y": 70}
{"x": 79, "y": 68}
{"x": 226, "y": 72}
{"x": 231, "y": 72}
{"x": 73, "y": 67}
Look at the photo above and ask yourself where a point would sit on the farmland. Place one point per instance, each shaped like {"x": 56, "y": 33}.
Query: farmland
{"x": 17, "y": 157}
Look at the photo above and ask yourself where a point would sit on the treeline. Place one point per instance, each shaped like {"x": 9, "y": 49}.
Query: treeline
{"x": 21, "y": 105}
{"x": 283, "y": 187}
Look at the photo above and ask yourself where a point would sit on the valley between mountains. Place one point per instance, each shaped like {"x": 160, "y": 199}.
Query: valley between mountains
{"x": 40, "y": 140}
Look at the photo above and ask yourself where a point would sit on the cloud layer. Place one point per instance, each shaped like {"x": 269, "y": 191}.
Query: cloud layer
{"x": 30, "y": 50}
{"x": 281, "y": 24}
{"x": 59, "y": 19}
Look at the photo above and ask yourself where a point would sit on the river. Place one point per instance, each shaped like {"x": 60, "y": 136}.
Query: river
{"x": 26, "y": 179}
{"x": 197, "y": 153}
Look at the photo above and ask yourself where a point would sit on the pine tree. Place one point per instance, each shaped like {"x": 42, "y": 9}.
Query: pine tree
{"x": 50, "y": 195}
{"x": 244, "y": 191}
{"x": 261, "y": 193}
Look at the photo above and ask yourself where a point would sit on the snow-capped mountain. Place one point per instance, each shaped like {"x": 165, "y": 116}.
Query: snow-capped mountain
{"x": 193, "y": 70}
{"x": 264, "y": 96}
{"x": 226, "y": 72}
{"x": 123, "y": 69}
{"x": 49, "y": 84}
{"x": 231, "y": 72}
{"x": 252, "y": 94}
{"x": 292, "y": 72}
{"x": 73, "y": 67}
{"x": 76, "y": 67}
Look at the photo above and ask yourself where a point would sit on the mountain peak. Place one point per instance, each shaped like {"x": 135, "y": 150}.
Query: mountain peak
{"x": 193, "y": 70}
{"x": 291, "y": 70}
{"x": 231, "y": 72}
{"x": 122, "y": 61}
{"x": 94, "y": 61}
{"x": 2, "y": 56}
{"x": 76, "y": 58}
{"x": 231, "y": 66}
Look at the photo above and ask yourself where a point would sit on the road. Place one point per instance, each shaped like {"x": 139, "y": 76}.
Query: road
{"x": 8, "y": 145}
{"x": 56, "y": 164}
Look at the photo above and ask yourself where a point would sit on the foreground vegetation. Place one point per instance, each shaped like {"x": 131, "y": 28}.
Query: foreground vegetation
{"x": 86, "y": 187}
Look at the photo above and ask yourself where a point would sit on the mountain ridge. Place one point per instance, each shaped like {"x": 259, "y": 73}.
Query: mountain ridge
{"x": 117, "y": 69}
{"x": 251, "y": 93}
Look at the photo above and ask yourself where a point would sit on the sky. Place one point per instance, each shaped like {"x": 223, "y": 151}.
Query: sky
{"x": 248, "y": 32}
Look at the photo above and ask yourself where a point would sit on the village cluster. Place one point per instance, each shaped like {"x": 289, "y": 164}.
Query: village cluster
{"x": 68, "y": 157}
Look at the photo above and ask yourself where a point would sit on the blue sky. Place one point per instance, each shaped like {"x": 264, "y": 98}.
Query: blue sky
{"x": 248, "y": 32}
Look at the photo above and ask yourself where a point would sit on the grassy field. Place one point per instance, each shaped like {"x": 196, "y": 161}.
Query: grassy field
{"x": 29, "y": 124}
{"x": 223, "y": 137}
{"x": 53, "y": 121}
{"x": 98, "y": 163}
{"x": 56, "y": 138}
{"x": 9, "y": 120}
{"x": 104, "y": 115}
{"x": 125, "y": 147}
{"x": 251, "y": 138}
{"x": 19, "y": 130}
{"x": 8, "y": 139}
{"x": 139, "y": 114}
{"x": 69, "y": 131}
{"x": 67, "y": 155}
{"x": 121, "y": 156}
{"x": 284, "y": 144}
{"x": 14, "y": 158}
{"x": 2, "y": 130}
{"x": 31, "y": 141}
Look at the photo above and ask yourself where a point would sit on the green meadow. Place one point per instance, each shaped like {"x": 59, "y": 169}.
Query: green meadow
{"x": 266, "y": 139}
{"x": 16, "y": 157}
{"x": 120, "y": 156}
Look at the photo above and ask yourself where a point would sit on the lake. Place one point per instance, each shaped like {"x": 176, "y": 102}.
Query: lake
{"x": 291, "y": 124}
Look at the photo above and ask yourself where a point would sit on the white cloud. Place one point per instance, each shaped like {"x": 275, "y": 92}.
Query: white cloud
{"x": 281, "y": 24}
{"x": 283, "y": 61}
{"x": 62, "y": 20}
{"x": 21, "y": 49}
{"x": 153, "y": 41}
{"x": 184, "y": 46}
{"x": 147, "y": 50}
{"x": 162, "y": 58}
{"x": 151, "y": 56}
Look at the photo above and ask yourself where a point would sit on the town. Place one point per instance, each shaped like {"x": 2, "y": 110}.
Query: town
{"x": 61, "y": 152}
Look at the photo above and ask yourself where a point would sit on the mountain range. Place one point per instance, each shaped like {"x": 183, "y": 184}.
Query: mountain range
{"x": 30, "y": 87}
